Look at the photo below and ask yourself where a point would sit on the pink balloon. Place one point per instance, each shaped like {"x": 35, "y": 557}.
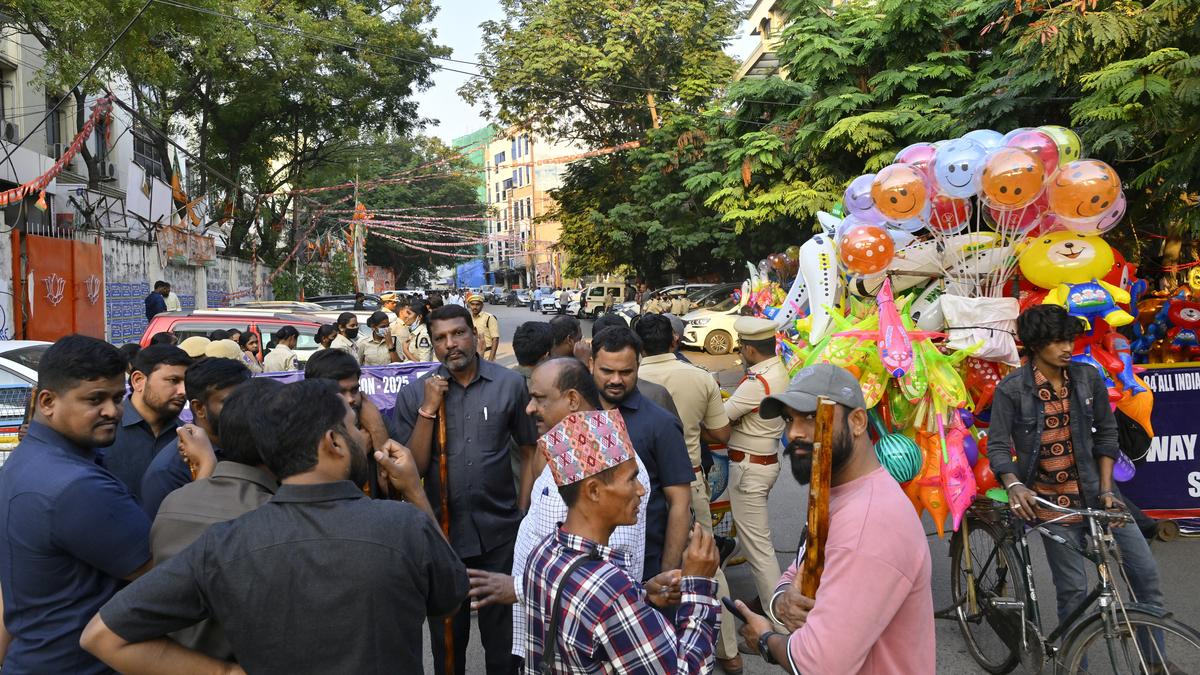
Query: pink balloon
{"x": 919, "y": 155}
{"x": 1040, "y": 144}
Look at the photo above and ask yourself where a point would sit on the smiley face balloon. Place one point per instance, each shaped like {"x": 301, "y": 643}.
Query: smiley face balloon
{"x": 900, "y": 192}
{"x": 1012, "y": 178}
{"x": 1083, "y": 189}
{"x": 1069, "y": 147}
{"x": 957, "y": 166}
{"x": 857, "y": 197}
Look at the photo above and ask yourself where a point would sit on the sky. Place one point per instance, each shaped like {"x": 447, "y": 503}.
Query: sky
{"x": 457, "y": 26}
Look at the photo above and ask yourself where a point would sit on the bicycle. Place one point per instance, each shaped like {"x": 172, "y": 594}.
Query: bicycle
{"x": 996, "y": 602}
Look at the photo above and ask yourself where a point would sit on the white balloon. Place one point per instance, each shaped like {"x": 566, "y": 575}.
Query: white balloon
{"x": 926, "y": 309}
{"x": 819, "y": 267}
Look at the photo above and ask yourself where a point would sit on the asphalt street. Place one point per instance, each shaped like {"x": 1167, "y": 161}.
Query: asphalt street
{"x": 1177, "y": 559}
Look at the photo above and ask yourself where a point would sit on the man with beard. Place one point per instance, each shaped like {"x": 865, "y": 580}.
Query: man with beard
{"x": 287, "y": 581}
{"x": 658, "y": 439}
{"x": 72, "y": 532}
{"x": 208, "y": 383}
{"x": 558, "y": 388}
{"x": 152, "y": 415}
{"x": 875, "y": 613}
{"x": 485, "y": 407}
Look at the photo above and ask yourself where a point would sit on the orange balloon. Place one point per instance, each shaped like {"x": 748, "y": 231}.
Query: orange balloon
{"x": 1083, "y": 189}
{"x": 900, "y": 192}
{"x": 866, "y": 249}
{"x": 1012, "y": 178}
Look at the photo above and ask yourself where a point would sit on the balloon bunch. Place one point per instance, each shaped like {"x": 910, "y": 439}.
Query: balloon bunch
{"x": 909, "y": 287}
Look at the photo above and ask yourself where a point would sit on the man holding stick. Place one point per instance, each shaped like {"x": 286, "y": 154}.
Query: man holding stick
{"x": 873, "y": 612}
{"x": 480, "y": 406}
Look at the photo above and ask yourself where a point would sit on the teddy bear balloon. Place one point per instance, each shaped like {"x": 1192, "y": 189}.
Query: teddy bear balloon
{"x": 1071, "y": 266}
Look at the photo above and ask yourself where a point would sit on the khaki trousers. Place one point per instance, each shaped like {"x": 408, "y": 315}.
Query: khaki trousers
{"x": 749, "y": 487}
{"x": 728, "y": 635}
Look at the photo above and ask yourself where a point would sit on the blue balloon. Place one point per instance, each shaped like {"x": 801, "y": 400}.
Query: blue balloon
{"x": 990, "y": 140}
{"x": 957, "y": 167}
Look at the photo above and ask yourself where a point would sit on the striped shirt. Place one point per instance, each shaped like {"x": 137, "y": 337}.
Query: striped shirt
{"x": 606, "y": 625}
{"x": 1057, "y": 478}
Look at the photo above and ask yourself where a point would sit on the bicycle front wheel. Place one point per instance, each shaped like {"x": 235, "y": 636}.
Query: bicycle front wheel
{"x": 1133, "y": 642}
{"x": 991, "y": 627}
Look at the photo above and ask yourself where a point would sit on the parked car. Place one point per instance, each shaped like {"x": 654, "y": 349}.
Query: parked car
{"x": 275, "y": 306}
{"x": 521, "y": 297}
{"x": 263, "y": 323}
{"x": 18, "y": 377}
{"x": 345, "y": 303}
{"x": 550, "y": 301}
{"x": 497, "y": 296}
{"x": 591, "y": 303}
{"x": 711, "y": 327}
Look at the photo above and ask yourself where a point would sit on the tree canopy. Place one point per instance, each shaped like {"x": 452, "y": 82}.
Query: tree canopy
{"x": 862, "y": 80}
{"x": 264, "y": 92}
{"x": 602, "y": 71}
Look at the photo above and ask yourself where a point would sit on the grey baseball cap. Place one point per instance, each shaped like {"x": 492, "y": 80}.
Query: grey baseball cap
{"x": 822, "y": 379}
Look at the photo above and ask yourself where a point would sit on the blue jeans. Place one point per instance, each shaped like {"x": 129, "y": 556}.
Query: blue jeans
{"x": 1069, "y": 568}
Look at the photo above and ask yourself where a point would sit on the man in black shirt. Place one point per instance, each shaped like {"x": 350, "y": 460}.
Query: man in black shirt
{"x": 484, "y": 408}
{"x": 318, "y": 580}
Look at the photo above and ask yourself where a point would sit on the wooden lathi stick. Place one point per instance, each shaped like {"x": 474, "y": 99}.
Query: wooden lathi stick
{"x": 444, "y": 478}
{"x": 818, "y": 500}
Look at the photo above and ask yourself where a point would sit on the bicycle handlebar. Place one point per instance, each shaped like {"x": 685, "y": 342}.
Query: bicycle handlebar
{"x": 1098, "y": 514}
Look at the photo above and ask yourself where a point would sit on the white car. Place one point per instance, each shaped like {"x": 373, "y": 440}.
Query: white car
{"x": 18, "y": 378}
{"x": 711, "y": 328}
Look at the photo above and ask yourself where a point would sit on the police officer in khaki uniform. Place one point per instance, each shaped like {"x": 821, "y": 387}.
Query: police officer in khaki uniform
{"x": 487, "y": 329}
{"x": 754, "y": 448}
{"x": 698, "y": 400}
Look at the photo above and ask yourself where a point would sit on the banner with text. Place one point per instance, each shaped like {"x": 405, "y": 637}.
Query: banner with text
{"x": 1168, "y": 477}
{"x": 378, "y": 383}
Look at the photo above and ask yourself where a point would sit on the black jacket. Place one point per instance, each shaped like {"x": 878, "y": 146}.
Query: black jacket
{"x": 1017, "y": 422}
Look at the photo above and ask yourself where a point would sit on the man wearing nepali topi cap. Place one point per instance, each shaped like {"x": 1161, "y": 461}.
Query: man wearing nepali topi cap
{"x": 609, "y": 626}
{"x": 486, "y": 327}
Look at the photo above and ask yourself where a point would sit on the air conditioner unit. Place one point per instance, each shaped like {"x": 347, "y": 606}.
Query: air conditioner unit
{"x": 108, "y": 171}
{"x": 12, "y": 133}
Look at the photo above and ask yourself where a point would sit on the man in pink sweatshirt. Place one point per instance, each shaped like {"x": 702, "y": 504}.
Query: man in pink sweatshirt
{"x": 873, "y": 613}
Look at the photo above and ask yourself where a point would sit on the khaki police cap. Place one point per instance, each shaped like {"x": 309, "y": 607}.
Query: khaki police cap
{"x": 754, "y": 328}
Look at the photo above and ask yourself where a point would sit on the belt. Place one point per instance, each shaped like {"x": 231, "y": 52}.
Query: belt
{"x": 765, "y": 460}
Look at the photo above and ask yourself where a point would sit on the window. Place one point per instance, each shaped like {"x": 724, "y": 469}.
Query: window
{"x": 498, "y": 159}
{"x": 145, "y": 155}
{"x": 515, "y": 149}
{"x": 53, "y": 126}
{"x": 529, "y": 207}
{"x": 102, "y": 143}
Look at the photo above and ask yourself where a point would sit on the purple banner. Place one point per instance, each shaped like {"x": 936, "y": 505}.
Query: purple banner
{"x": 379, "y": 383}
{"x": 1168, "y": 477}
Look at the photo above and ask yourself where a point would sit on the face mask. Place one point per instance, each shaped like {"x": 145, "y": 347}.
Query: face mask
{"x": 352, "y": 332}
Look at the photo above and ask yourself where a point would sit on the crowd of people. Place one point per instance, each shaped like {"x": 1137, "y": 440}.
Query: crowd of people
{"x": 564, "y": 503}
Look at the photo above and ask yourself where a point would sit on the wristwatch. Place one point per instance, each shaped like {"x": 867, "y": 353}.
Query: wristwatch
{"x": 764, "y": 647}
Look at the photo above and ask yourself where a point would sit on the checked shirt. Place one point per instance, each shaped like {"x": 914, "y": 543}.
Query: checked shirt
{"x": 606, "y": 625}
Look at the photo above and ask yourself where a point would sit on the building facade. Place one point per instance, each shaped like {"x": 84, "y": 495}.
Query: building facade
{"x": 519, "y": 171}
{"x": 766, "y": 21}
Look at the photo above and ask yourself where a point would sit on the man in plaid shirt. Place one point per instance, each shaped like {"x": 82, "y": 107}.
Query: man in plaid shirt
{"x": 583, "y": 612}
